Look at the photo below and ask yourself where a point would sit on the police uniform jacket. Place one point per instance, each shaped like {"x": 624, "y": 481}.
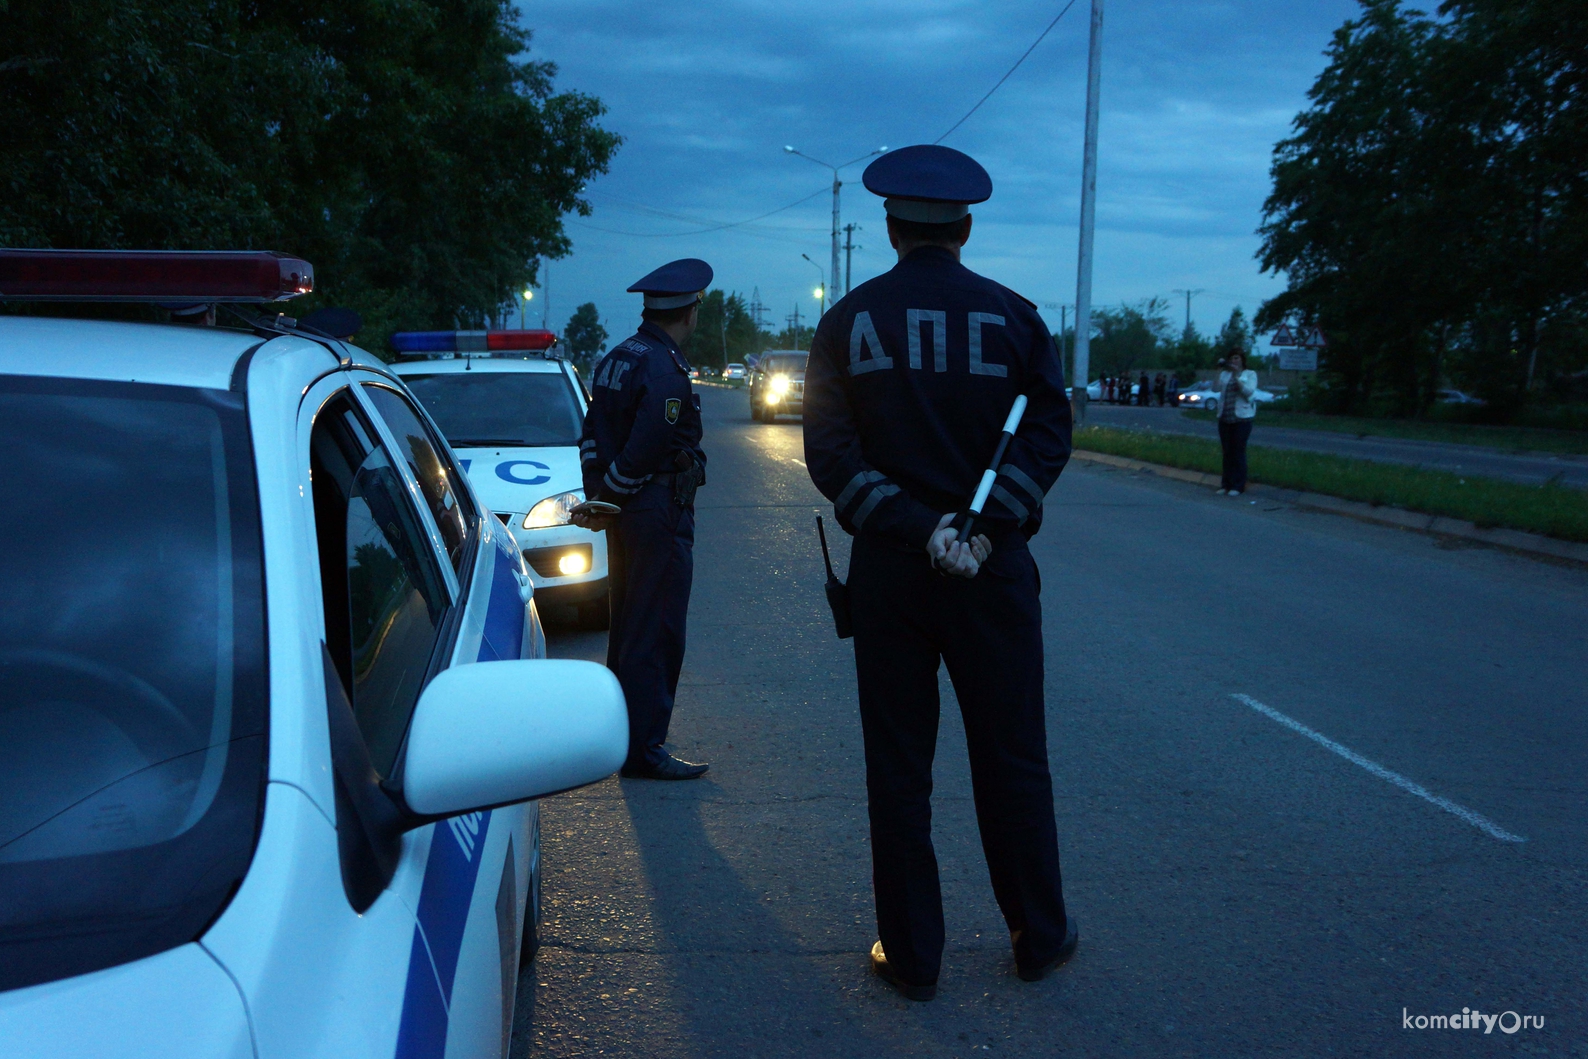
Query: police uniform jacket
{"x": 910, "y": 379}
{"x": 643, "y": 412}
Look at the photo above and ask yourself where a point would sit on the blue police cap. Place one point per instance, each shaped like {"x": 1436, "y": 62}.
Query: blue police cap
{"x": 927, "y": 183}
{"x": 675, "y": 285}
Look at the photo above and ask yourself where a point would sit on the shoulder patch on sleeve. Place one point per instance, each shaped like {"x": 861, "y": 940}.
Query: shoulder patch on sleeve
{"x": 672, "y": 409}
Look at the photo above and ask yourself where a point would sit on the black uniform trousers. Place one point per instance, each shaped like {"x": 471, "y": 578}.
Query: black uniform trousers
{"x": 988, "y": 630}
{"x": 650, "y": 566}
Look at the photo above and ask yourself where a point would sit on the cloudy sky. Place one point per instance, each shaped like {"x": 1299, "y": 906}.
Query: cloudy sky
{"x": 706, "y": 95}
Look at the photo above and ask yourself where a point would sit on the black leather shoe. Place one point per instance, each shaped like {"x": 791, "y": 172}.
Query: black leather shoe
{"x": 909, "y": 990}
{"x": 670, "y": 768}
{"x": 1072, "y": 935}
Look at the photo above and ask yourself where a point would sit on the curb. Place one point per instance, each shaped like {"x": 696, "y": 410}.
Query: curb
{"x": 1532, "y": 544}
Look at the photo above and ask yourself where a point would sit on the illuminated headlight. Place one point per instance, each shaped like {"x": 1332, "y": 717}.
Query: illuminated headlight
{"x": 573, "y": 563}
{"x": 552, "y": 511}
{"x": 780, "y": 385}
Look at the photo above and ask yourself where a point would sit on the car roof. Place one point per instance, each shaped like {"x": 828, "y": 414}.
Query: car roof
{"x": 170, "y": 354}
{"x": 459, "y": 364}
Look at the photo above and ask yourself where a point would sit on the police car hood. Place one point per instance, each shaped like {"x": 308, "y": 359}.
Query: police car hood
{"x": 513, "y": 480}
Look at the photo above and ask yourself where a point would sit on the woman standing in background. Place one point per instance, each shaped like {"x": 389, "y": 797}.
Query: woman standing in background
{"x": 1236, "y": 412}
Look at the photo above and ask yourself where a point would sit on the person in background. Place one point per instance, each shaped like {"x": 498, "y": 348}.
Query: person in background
{"x": 1158, "y": 384}
{"x": 1236, "y": 412}
{"x": 1144, "y": 390}
{"x": 1174, "y": 388}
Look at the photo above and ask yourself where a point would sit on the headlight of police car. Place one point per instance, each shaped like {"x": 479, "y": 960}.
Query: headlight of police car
{"x": 779, "y": 386}
{"x": 552, "y": 511}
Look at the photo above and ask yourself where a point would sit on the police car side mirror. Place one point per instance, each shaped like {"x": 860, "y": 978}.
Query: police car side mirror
{"x": 494, "y": 733}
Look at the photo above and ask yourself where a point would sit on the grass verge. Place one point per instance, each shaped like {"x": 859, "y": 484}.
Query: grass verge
{"x": 1508, "y": 439}
{"x": 1551, "y": 510}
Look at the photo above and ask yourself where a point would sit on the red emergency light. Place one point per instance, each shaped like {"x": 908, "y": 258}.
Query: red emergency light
{"x": 423, "y": 343}
{"x": 153, "y": 275}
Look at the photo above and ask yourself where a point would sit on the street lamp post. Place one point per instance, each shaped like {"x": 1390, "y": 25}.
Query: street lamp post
{"x": 523, "y": 307}
{"x": 1083, "y": 271}
{"x": 820, "y": 292}
{"x": 836, "y": 185}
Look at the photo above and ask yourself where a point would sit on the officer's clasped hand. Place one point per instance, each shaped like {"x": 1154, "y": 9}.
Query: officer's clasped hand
{"x": 593, "y": 522}
{"x": 952, "y": 557}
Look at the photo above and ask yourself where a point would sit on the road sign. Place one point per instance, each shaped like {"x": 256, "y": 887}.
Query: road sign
{"x": 1294, "y": 358}
{"x": 1285, "y": 336}
{"x": 1314, "y": 339}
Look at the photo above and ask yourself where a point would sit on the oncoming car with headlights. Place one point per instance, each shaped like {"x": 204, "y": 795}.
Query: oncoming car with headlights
{"x": 514, "y": 415}
{"x": 777, "y": 384}
{"x": 269, "y": 747}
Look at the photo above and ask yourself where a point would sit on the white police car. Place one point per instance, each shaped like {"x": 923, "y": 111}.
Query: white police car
{"x": 514, "y": 416}
{"x": 272, "y": 693}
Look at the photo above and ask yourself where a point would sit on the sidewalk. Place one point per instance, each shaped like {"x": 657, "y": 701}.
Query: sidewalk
{"x": 1531, "y": 544}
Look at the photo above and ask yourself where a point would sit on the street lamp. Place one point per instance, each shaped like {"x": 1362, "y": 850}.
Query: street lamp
{"x": 529, "y": 296}
{"x": 836, "y": 185}
{"x": 820, "y": 293}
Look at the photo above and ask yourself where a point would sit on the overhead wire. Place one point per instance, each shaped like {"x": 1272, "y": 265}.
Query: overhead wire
{"x": 1007, "y": 73}
{"x": 710, "y": 227}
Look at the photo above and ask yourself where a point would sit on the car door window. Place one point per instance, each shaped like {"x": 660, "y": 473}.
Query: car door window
{"x": 431, "y": 466}
{"x": 383, "y": 587}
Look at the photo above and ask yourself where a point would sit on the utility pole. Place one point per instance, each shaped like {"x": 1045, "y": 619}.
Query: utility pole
{"x": 794, "y": 324}
{"x": 1063, "y": 327}
{"x": 758, "y": 310}
{"x": 1188, "y": 293}
{"x": 1083, "y": 272}
{"x": 849, "y": 254}
{"x": 837, "y": 184}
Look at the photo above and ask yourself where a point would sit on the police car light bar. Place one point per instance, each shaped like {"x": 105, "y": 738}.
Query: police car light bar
{"x": 153, "y": 275}
{"x": 419, "y": 343}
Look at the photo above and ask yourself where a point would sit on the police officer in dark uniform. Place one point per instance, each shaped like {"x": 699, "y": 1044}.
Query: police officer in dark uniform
{"x": 910, "y": 379}
{"x": 641, "y": 451}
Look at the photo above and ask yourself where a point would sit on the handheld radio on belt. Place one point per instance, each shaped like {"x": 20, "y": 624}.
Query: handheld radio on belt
{"x": 965, "y": 520}
{"x": 837, "y": 591}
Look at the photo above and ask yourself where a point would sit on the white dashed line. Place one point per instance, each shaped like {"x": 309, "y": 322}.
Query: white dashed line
{"x": 1482, "y": 823}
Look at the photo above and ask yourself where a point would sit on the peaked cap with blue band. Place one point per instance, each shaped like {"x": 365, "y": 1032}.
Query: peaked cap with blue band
{"x": 675, "y": 285}
{"x": 927, "y": 183}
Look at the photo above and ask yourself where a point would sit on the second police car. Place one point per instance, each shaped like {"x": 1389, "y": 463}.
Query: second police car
{"x": 514, "y": 415}
{"x": 273, "y": 696}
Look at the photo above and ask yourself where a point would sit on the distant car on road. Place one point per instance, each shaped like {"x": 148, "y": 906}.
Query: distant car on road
{"x": 1457, "y": 397}
{"x": 514, "y": 422}
{"x": 777, "y": 384}
{"x": 1204, "y": 397}
{"x": 733, "y": 371}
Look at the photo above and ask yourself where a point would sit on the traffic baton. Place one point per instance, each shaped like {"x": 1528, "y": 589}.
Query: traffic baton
{"x": 966, "y": 520}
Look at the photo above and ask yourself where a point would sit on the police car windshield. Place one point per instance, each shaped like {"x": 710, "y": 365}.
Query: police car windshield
{"x": 784, "y": 362}
{"x": 132, "y": 701}
{"x": 500, "y": 407}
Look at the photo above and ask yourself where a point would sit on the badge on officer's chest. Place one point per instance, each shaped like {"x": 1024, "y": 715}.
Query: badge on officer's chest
{"x": 672, "y": 408}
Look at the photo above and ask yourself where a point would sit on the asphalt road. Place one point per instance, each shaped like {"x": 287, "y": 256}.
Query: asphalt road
{"x": 1528, "y": 468}
{"x": 1242, "y": 889}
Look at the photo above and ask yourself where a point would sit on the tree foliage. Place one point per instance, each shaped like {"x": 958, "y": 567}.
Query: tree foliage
{"x": 584, "y": 334}
{"x": 408, "y": 148}
{"x": 1430, "y": 210}
{"x": 725, "y": 333}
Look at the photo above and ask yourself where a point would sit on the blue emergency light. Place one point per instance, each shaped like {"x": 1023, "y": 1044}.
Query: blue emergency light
{"x": 419, "y": 343}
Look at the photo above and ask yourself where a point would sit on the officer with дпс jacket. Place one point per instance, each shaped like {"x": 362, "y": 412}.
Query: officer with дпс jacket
{"x": 910, "y": 379}
{"x": 641, "y": 451}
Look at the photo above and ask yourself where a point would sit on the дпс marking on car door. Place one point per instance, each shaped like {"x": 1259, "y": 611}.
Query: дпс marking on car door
{"x": 453, "y": 865}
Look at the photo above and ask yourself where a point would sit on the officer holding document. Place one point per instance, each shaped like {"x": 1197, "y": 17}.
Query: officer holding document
{"x": 913, "y": 379}
{"x": 642, "y": 462}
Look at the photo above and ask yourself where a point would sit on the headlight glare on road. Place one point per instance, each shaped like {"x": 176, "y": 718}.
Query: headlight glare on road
{"x": 552, "y": 511}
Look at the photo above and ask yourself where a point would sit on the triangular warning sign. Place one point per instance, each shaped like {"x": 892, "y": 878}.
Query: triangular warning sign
{"x": 1284, "y": 336}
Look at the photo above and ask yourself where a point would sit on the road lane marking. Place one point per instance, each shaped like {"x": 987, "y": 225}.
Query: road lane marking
{"x": 1482, "y": 823}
